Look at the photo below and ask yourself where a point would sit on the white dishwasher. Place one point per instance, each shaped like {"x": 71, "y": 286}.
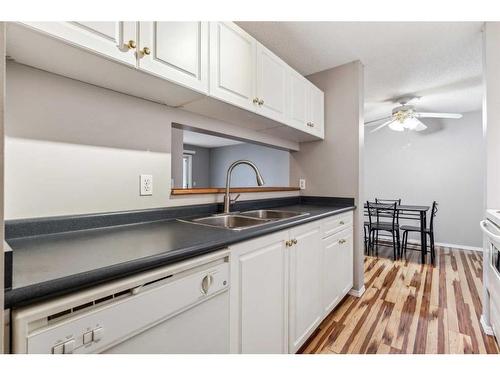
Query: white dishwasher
{"x": 180, "y": 308}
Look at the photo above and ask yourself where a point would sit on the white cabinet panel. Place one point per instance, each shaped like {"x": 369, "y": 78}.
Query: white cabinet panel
{"x": 298, "y": 96}
{"x": 305, "y": 284}
{"x": 332, "y": 272}
{"x": 106, "y": 38}
{"x": 316, "y": 115}
{"x": 259, "y": 296}
{"x": 271, "y": 84}
{"x": 178, "y": 51}
{"x": 232, "y": 65}
{"x": 337, "y": 268}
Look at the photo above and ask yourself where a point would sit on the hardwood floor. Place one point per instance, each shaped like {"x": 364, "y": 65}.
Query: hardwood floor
{"x": 410, "y": 308}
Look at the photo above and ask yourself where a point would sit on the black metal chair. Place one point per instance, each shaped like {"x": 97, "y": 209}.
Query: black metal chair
{"x": 428, "y": 231}
{"x": 376, "y": 211}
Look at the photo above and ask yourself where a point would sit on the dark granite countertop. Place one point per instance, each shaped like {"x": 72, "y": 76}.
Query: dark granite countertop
{"x": 51, "y": 264}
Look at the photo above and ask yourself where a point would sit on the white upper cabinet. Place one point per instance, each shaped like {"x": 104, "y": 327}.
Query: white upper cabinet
{"x": 232, "y": 65}
{"x": 177, "y": 51}
{"x": 299, "y": 100}
{"x": 305, "y": 284}
{"x": 112, "y": 39}
{"x": 316, "y": 114}
{"x": 272, "y": 75}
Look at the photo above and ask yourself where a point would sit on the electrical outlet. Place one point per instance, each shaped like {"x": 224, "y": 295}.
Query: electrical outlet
{"x": 302, "y": 183}
{"x": 146, "y": 184}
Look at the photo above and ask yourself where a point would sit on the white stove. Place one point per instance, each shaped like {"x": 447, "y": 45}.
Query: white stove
{"x": 491, "y": 272}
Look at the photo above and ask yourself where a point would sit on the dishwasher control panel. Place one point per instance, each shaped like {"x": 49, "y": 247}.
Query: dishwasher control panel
{"x": 102, "y": 327}
{"x": 86, "y": 339}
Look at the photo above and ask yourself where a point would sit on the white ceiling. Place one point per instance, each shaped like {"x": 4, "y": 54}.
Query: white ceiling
{"x": 206, "y": 140}
{"x": 440, "y": 61}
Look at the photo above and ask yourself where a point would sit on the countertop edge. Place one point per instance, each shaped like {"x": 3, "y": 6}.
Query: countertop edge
{"x": 34, "y": 293}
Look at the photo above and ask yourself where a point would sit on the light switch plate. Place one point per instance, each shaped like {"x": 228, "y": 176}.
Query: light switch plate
{"x": 302, "y": 183}
{"x": 146, "y": 184}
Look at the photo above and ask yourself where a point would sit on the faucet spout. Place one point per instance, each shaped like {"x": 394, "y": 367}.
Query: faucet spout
{"x": 227, "y": 196}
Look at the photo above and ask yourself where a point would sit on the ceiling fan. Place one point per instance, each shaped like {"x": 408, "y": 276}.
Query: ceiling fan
{"x": 405, "y": 116}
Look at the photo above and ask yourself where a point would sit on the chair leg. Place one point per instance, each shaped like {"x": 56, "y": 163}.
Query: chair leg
{"x": 394, "y": 244}
{"x": 376, "y": 241}
{"x": 399, "y": 243}
{"x": 433, "y": 254}
{"x": 405, "y": 242}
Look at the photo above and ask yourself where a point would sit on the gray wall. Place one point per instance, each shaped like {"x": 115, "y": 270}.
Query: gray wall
{"x": 177, "y": 149}
{"x": 74, "y": 148}
{"x": 444, "y": 163}
{"x": 201, "y": 166}
{"x": 273, "y": 164}
{"x": 334, "y": 166}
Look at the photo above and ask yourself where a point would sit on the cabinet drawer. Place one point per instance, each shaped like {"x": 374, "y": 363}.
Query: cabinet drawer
{"x": 336, "y": 224}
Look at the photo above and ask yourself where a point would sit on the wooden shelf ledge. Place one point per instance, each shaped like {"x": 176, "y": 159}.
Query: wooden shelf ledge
{"x": 233, "y": 190}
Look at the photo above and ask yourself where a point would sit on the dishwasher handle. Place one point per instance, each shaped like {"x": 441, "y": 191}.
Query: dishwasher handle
{"x": 206, "y": 283}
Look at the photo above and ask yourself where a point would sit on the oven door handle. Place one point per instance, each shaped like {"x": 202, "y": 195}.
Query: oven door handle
{"x": 484, "y": 225}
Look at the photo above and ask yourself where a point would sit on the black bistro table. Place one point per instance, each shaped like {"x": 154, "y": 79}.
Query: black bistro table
{"x": 412, "y": 212}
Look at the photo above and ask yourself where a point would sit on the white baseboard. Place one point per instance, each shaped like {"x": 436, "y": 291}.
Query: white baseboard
{"x": 357, "y": 292}
{"x": 486, "y": 328}
{"x": 455, "y": 246}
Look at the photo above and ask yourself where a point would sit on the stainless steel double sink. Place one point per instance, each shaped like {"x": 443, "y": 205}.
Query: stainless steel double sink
{"x": 247, "y": 219}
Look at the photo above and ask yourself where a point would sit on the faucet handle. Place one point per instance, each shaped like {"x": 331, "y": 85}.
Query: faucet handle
{"x": 235, "y": 199}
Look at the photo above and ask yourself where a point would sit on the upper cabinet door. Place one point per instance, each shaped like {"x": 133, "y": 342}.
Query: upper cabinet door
{"x": 232, "y": 65}
{"x": 298, "y": 88}
{"x": 316, "y": 117}
{"x": 112, "y": 39}
{"x": 177, "y": 51}
{"x": 272, "y": 90}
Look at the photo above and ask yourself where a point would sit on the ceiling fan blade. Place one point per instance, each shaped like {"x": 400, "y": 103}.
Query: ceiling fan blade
{"x": 373, "y": 122}
{"x": 382, "y": 126}
{"x": 438, "y": 115}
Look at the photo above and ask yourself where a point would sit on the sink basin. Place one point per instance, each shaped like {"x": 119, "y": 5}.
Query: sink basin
{"x": 273, "y": 214}
{"x": 230, "y": 221}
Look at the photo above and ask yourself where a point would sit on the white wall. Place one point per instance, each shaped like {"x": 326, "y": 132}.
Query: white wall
{"x": 334, "y": 166}
{"x": 74, "y": 148}
{"x": 444, "y": 163}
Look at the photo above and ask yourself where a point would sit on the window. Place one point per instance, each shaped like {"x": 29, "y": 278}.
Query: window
{"x": 187, "y": 171}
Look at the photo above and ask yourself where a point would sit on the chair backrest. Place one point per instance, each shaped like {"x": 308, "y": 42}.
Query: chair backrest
{"x": 377, "y": 210}
{"x": 390, "y": 201}
{"x": 433, "y": 214}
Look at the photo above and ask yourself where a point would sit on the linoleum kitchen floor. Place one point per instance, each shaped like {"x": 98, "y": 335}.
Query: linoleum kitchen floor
{"x": 410, "y": 308}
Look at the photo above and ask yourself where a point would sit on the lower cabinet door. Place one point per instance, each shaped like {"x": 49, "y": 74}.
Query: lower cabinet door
{"x": 305, "y": 310}
{"x": 337, "y": 264}
{"x": 332, "y": 272}
{"x": 258, "y": 295}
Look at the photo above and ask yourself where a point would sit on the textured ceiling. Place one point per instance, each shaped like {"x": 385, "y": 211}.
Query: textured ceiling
{"x": 439, "y": 61}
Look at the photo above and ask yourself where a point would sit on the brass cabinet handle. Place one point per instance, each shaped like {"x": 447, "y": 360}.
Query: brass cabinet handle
{"x": 288, "y": 243}
{"x": 261, "y": 102}
{"x": 294, "y": 241}
{"x": 131, "y": 44}
{"x": 341, "y": 222}
{"x": 341, "y": 241}
{"x": 256, "y": 100}
{"x": 146, "y": 51}
{"x": 310, "y": 124}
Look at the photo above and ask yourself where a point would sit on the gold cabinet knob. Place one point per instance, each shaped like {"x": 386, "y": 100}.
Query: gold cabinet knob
{"x": 261, "y": 102}
{"x": 131, "y": 44}
{"x": 341, "y": 222}
{"x": 310, "y": 124}
{"x": 146, "y": 51}
{"x": 341, "y": 241}
{"x": 294, "y": 241}
{"x": 256, "y": 101}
